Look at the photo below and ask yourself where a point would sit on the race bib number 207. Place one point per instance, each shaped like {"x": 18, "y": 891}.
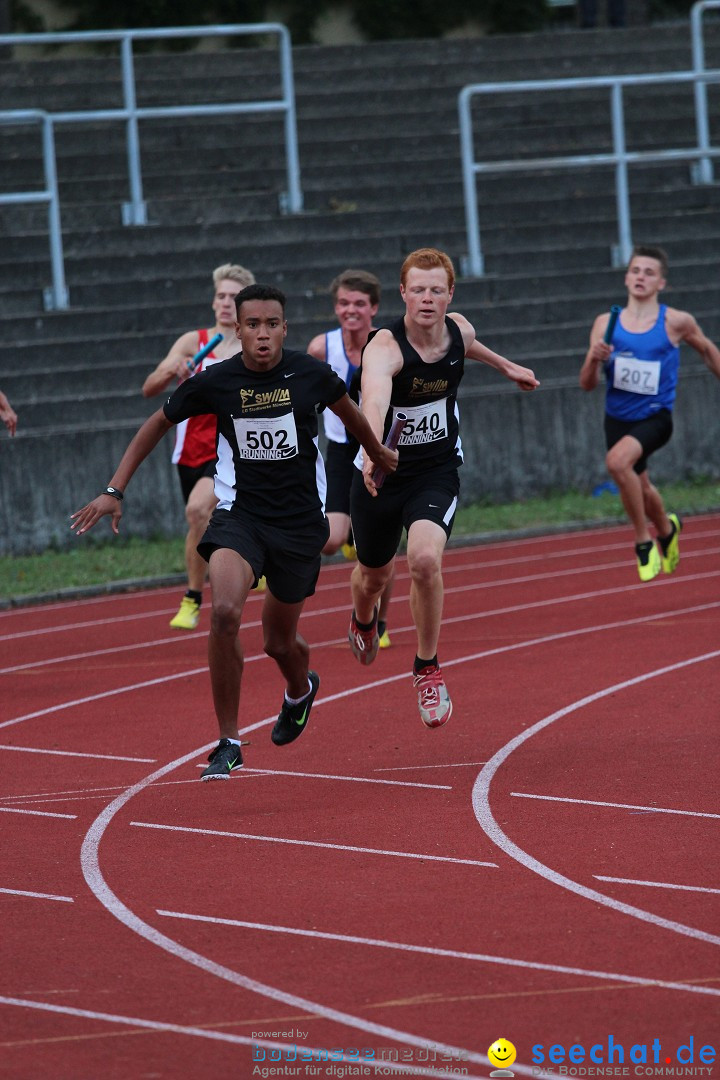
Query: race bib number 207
{"x": 636, "y": 376}
{"x": 266, "y": 438}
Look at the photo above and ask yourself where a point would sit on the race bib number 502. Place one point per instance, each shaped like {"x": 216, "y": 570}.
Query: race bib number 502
{"x": 636, "y": 376}
{"x": 267, "y": 438}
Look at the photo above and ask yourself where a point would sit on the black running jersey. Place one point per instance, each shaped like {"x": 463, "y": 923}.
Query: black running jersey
{"x": 427, "y": 394}
{"x": 268, "y": 461}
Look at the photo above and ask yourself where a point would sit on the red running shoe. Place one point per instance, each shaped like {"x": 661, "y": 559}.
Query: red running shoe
{"x": 433, "y": 698}
{"x": 364, "y": 643}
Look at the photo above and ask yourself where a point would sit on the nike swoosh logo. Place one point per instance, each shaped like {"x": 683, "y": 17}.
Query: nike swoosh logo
{"x": 303, "y": 718}
{"x": 289, "y": 376}
{"x": 231, "y": 764}
{"x": 453, "y": 362}
{"x": 435, "y": 506}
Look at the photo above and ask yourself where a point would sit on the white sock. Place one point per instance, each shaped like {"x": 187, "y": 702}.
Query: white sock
{"x": 297, "y": 700}
{"x": 235, "y": 742}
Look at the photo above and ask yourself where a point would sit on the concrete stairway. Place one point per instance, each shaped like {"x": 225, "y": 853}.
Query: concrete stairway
{"x": 380, "y": 161}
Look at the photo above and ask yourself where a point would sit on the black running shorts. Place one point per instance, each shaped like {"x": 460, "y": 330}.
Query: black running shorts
{"x": 651, "y": 433}
{"x": 339, "y": 470}
{"x": 377, "y": 523}
{"x": 190, "y": 474}
{"x": 288, "y": 555}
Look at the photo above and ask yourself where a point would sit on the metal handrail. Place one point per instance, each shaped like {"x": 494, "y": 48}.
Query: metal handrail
{"x": 56, "y": 297}
{"x": 620, "y": 157}
{"x": 135, "y": 211}
{"x": 704, "y": 174}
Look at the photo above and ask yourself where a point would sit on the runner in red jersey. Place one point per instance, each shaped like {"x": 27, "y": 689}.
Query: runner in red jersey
{"x": 194, "y": 452}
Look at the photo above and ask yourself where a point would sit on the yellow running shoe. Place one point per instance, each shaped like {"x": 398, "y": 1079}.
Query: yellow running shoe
{"x": 187, "y": 616}
{"x": 670, "y": 546}
{"x": 648, "y": 560}
{"x": 349, "y": 552}
{"x": 261, "y": 585}
{"x": 385, "y": 641}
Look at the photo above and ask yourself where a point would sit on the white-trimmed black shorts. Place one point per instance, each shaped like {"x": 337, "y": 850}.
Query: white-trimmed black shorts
{"x": 339, "y": 471}
{"x": 288, "y": 555}
{"x": 378, "y": 522}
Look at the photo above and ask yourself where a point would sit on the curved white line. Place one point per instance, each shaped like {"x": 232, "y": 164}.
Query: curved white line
{"x": 484, "y": 815}
{"x": 223, "y": 1036}
{"x": 103, "y": 892}
{"x": 394, "y": 678}
{"x": 89, "y": 860}
{"x": 454, "y": 954}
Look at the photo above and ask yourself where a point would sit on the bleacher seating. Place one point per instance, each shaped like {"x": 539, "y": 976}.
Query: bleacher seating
{"x": 379, "y": 155}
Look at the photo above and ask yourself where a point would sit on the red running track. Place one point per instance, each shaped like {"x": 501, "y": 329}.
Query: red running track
{"x": 543, "y": 869}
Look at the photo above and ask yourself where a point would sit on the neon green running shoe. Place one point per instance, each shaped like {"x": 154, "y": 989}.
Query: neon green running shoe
{"x": 670, "y": 546}
{"x": 187, "y": 616}
{"x": 648, "y": 560}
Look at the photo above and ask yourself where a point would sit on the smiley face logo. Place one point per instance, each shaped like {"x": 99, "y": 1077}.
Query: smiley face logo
{"x": 502, "y": 1053}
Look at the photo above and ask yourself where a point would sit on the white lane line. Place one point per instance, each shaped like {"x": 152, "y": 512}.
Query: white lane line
{"x": 567, "y": 553}
{"x": 323, "y": 612}
{"x": 38, "y": 895}
{"x": 524, "y": 644}
{"x": 351, "y": 779}
{"x": 448, "y": 765}
{"x": 76, "y": 753}
{"x": 89, "y": 860}
{"x": 37, "y": 813}
{"x": 454, "y": 954}
{"x": 32, "y": 665}
{"x": 657, "y": 884}
{"x": 80, "y": 796}
{"x": 128, "y": 688}
{"x": 319, "y": 1054}
{"x": 84, "y": 625}
{"x": 97, "y": 884}
{"x": 484, "y": 815}
{"x": 90, "y": 601}
{"x": 614, "y": 805}
{"x": 311, "y": 844}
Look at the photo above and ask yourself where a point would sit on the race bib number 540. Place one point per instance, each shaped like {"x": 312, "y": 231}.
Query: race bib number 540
{"x": 425, "y": 423}
{"x": 636, "y": 376}
{"x": 266, "y": 439}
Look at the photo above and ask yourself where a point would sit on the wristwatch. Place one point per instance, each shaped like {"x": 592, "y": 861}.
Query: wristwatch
{"x": 116, "y": 494}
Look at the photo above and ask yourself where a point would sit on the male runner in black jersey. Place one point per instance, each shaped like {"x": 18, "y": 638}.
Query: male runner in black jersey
{"x": 270, "y": 519}
{"x": 414, "y": 366}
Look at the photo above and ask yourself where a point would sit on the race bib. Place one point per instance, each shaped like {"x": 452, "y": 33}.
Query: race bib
{"x": 424, "y": 424}
{"x": 266, "y": 438}
{"x": 636, "y": 376}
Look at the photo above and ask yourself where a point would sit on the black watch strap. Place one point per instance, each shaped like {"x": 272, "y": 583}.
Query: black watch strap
{"x": 116, "y": 494}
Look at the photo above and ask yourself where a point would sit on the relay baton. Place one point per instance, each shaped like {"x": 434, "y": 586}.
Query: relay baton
{"x": 614, "y": 313}
{"x": 393, "y": 438}
{"x": 200, "y": 356}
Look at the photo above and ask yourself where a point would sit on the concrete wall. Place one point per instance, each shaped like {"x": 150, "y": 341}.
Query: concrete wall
{"x": 516, "y": 446}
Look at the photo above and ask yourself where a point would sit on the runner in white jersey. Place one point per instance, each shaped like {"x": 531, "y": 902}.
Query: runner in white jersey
{"x": 270, "y": 517}
{"x": 356, "y": 297}
{"x": 414, "y": 366}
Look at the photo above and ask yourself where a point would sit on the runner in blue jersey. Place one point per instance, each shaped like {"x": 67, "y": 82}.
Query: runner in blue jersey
{"x": 414, "y": 366}
{"x": 641, "y": 371}
{"x": 270, "y": 518}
